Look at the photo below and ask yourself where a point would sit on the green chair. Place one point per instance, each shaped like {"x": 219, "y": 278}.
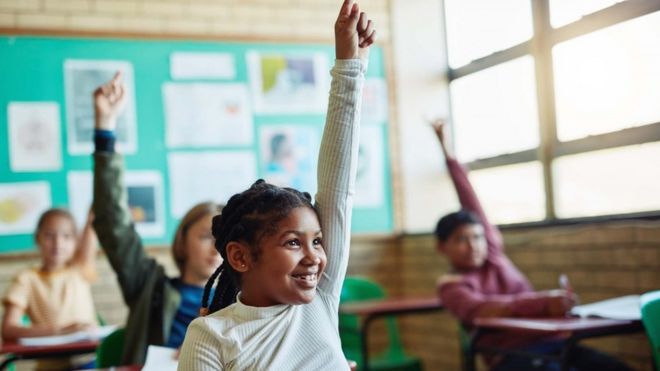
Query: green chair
{"x": 393, "y": 358}
{"x": 650, "y": 303}
{"x": 109, "y": 352}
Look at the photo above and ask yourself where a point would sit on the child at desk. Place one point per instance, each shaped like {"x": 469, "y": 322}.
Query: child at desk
{"x": 160, "y": 307}
{"x": 57, "y": 296}
{"x": 276, "y": 304}
{"x": 485, "y": 283}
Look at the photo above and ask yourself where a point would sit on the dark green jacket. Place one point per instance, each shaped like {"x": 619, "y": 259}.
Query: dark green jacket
{"x": 151, "y": 298}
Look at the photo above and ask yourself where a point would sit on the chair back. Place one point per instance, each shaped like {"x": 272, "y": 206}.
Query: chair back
{"x": 361, "y": 289}
{"x": 111, "y": 349}
{"x": 650, "y": 303}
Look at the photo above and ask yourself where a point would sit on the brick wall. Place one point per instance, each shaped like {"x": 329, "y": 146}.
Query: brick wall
{"x": 257, "y": 19}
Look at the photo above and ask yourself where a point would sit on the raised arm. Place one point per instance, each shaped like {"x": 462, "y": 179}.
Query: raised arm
{"x": 86, "y": 250}
{"x": 113, "y": 223}
{"x": 466, "y": 193}
{"x": 337, "y": 166}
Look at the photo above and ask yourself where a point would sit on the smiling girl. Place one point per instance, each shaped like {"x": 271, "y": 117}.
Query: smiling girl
{"x": 275, "y": 306}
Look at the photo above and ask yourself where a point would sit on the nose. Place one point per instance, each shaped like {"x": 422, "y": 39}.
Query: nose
{"x": 312, "y": 256}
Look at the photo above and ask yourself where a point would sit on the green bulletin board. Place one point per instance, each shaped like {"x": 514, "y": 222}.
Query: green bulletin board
{"x": 32, "y": 70}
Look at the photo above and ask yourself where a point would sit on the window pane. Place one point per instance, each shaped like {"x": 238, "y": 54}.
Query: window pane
{"x": 494, "y": 110}
{"x": 513, "y": 193}
{"x": 608, "y": 80}
{"x": 476, "y": 28}
{"x": 613, "y": 181}
{"x": 563, "y": 12}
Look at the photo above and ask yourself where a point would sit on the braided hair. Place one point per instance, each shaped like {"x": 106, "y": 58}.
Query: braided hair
{"x": 247, "y": 217}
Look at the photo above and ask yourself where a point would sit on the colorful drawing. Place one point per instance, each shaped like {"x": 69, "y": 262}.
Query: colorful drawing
{"x": 289, "y": 155}
{"x": 21, "y": 204}
{"x": 288, "y": 83}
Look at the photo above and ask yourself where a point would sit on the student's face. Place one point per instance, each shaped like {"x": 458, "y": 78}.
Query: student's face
{"x": 201, "y": 256}
{"x": 289, "y": 265}
{"x": 466, "y": 247}
{"x": 57, "y": 242}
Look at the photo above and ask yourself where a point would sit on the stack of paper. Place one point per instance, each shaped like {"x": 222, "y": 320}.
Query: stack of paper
{"x": 95, "y": 334}
{"x": 624, "y": 307}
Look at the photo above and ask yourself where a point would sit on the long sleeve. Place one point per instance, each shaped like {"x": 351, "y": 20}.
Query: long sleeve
{"x": 466, "y": 303}
{"x": 469, "y": 201}
{"x": 337, "y": 169}
{"x": 115, "y": 229}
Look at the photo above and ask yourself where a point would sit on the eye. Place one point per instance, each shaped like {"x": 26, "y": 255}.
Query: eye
{"x": 294, "y": 242}
{"x": 317, "y": 242}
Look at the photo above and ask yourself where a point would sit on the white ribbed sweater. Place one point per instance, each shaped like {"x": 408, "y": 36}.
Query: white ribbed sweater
{"x": 297, "y": 337}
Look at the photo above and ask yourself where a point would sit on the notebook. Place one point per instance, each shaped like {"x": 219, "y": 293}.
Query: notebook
{"x": 624, "y": 307}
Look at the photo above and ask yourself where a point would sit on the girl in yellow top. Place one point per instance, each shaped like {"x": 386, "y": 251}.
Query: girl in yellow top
{"x": 56, "y": 296}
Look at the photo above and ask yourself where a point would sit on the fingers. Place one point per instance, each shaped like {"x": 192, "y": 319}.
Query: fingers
{"x": 346, "y": 8}
{"x": 362, "y": 23}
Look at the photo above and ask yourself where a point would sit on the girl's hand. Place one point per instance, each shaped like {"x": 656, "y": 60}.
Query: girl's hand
{"x": 109, "y": 102}
{"x": 354, "y": 32}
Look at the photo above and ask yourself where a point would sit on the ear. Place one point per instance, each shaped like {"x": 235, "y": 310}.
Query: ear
{"x": 239, "y": 256}
{"x": 440, "y": 246}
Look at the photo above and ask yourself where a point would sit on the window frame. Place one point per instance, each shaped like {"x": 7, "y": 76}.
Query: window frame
{"x": 544, "y": 38}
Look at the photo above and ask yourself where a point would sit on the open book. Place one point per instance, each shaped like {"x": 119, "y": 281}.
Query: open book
{"x": 624, "y": 307}
{"x": 96, "y": 334}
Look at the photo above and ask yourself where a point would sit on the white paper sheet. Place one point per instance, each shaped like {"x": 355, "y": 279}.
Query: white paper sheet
{"x": 95, "y": 334}
{"x": 208, "y": 176}
{"x": 202, "y": 65}
{"x": 145, "y": 199}
{"x": 369, "y": 184}
{"x": 289, "y": 156}
{"x": 82, "y": 77}
{"x": 288, "y": 83}
{"x": 160, "y": 359}
{"x": 21, "y": 204}
{"x": 199, "y": 114}
{"x": 624, "y": 307}
{"x": 79, "y": 187}
{"x": 34, "y": 136}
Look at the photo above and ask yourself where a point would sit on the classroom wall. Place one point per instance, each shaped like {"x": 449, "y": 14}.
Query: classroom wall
{"x": 601, "y": 260}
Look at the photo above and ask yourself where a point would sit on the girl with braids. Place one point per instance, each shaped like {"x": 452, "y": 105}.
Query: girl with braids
{"x": 275, "y": 306}
{"x": 160, "y": 307}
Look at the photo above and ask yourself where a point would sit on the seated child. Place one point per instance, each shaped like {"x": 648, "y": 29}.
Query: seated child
{"x": 485, "y": 283}
{"x": 160, "y": 307}
{"x": 276, "y": 303}
{"x": 57, "y": 295}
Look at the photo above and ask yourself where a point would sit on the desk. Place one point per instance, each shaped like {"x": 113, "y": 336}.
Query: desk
{"x": 372, "y": 309}
{"x": 576, "y": 329}
{"x": 17, "y": 352}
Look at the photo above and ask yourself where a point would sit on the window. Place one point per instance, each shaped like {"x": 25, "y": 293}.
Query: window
{"x": 476, "y": 28}
{"x": 496, "y": 103}
{"x": 608, "y": 80}
{"x": 563, "y": 12}
{"x": 560, "y": 120}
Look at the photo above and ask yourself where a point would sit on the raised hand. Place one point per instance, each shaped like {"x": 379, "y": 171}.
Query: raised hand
{"x": 354, "y": 32}
{"x": 439, "y": 126}
{"x": 109, "y": 101}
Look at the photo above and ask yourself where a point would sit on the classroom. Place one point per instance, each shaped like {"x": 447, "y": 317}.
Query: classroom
{"x": 552, "y": 105}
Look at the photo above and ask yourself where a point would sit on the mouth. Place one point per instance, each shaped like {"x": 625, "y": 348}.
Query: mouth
{"x": 306, "y": 280}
